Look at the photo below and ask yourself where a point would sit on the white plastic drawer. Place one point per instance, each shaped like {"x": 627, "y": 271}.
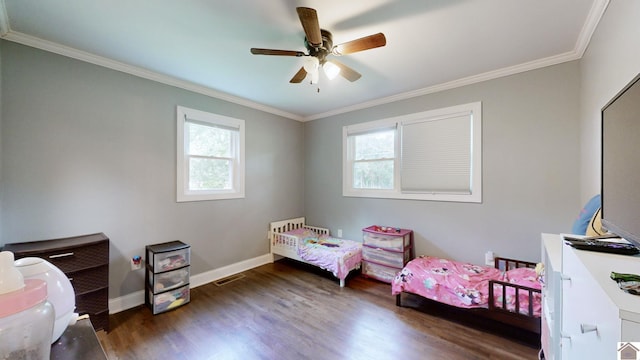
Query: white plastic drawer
{"x": 385, "y": 257}
{"x": 169, "y": 260}
{"x": 169, "y": 280}
{"x": 169, "y": 299}
{"x": 386, "y": 241}
{"x": 380, "y": 272}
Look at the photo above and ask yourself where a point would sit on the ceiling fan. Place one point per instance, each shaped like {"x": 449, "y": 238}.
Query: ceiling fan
{"x": 319, "y": 43}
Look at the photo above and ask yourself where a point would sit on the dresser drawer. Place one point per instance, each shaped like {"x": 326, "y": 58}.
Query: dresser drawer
{"x": 89, "y": 280}
{"x": 100, "y": 321}
{"x": 380, "y": 272}
{"x": 93, "y": 302}
{"x": 167, "y": 256}
{"x": 80, "y": 258}
{"x": 396, "y": 241}
{"x": 168, "y": 300}
{"x": 168, "y": 280}
{"x": 630, "y": 331}
{"x": 587, "y": 307}
{"x": 385, "y": 257}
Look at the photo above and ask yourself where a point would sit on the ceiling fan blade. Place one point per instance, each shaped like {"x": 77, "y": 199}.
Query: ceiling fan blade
{"x": 299, "y": 76}
{"x": 257, "y": 51}
{"x": 309, "y": 20}
{"x": 365, "y": 43}
{"x": 347, "y": 72}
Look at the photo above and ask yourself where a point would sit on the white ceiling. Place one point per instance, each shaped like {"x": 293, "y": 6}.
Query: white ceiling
{"x": 203, "y": 45}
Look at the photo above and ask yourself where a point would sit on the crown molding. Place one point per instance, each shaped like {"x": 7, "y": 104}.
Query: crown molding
{"x": 489, "y": 75}
{"x": 595, "y": 15}
{"x": 70, "y": 52}
{"x": 593, "y": 19}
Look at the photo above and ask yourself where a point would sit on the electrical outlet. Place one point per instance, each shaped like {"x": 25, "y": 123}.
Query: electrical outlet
{"x": 136, "y": 263}
{"x": 488, "y": 258}
{"x": 339, "y": 233}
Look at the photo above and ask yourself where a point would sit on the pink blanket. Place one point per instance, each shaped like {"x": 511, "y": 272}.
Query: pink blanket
{"x": 336, "y": 255}
{"x": 464, "y": 285}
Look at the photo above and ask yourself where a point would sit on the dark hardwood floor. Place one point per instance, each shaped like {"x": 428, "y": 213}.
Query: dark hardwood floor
{"x": 288, "y": 310}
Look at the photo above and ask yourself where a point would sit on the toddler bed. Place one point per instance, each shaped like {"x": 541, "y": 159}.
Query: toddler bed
{"x": 508, "y": 292}
{"x": 313, "y": 245}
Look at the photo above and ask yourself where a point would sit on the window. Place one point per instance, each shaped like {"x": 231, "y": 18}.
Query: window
{"x": 374, "y": 160}
{"x": 210, "y": 156}
{"x": 432, "y": 155}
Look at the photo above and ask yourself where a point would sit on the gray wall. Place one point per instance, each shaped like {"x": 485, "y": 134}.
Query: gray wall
{"x": 530, "y": 159}
{"x": 87, "y": 149}
{"x": 610, "y": 62}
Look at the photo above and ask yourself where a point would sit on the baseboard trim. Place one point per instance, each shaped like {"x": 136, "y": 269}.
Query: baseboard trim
{"x": 134, "y": 299}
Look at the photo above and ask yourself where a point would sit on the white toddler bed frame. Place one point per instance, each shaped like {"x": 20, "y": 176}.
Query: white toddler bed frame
{"x": 287, "y": 245}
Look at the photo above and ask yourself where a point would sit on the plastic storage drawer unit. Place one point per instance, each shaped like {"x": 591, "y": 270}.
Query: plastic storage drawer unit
{"x": 385, "y": 251}
{"x": 167, "y": 276}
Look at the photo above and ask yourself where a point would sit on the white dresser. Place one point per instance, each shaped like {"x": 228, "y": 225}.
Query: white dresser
{"x": 585, "y": 314}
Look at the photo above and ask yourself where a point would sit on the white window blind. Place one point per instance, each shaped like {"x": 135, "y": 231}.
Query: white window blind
{"x": 436, "y": 155}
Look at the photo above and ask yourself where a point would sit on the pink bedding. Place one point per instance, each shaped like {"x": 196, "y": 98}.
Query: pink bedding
{"x": 464, "y": 285}
{"x": 339, "y": 256}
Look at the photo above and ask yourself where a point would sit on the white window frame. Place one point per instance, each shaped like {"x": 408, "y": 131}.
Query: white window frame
{"x": 183, "y": 193}
{"x": 472, "y": 110}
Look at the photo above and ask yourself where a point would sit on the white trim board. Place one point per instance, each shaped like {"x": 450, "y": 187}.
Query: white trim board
{"x": 73, "y": 53}
{"x": 595, "y": 14}
{"x": 134, "y": 299}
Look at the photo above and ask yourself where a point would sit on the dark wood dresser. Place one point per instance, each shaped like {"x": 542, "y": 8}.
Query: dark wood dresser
{"x": 85, "y": 260}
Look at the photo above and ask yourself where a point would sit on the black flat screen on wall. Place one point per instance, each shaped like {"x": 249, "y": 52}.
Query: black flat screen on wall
{"x": 621, "y": 163}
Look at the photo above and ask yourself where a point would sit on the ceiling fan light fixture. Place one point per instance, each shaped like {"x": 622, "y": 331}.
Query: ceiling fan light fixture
{"x": 311, "y": 64}
{"x": 319, "y": 44}
{"x": 315, "y": 77}
{"x": 331, "y": 70}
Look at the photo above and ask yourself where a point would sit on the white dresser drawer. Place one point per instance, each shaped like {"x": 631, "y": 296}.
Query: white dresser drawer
{"x": 591, "y": 327}
{"x": 630, "y": 331}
